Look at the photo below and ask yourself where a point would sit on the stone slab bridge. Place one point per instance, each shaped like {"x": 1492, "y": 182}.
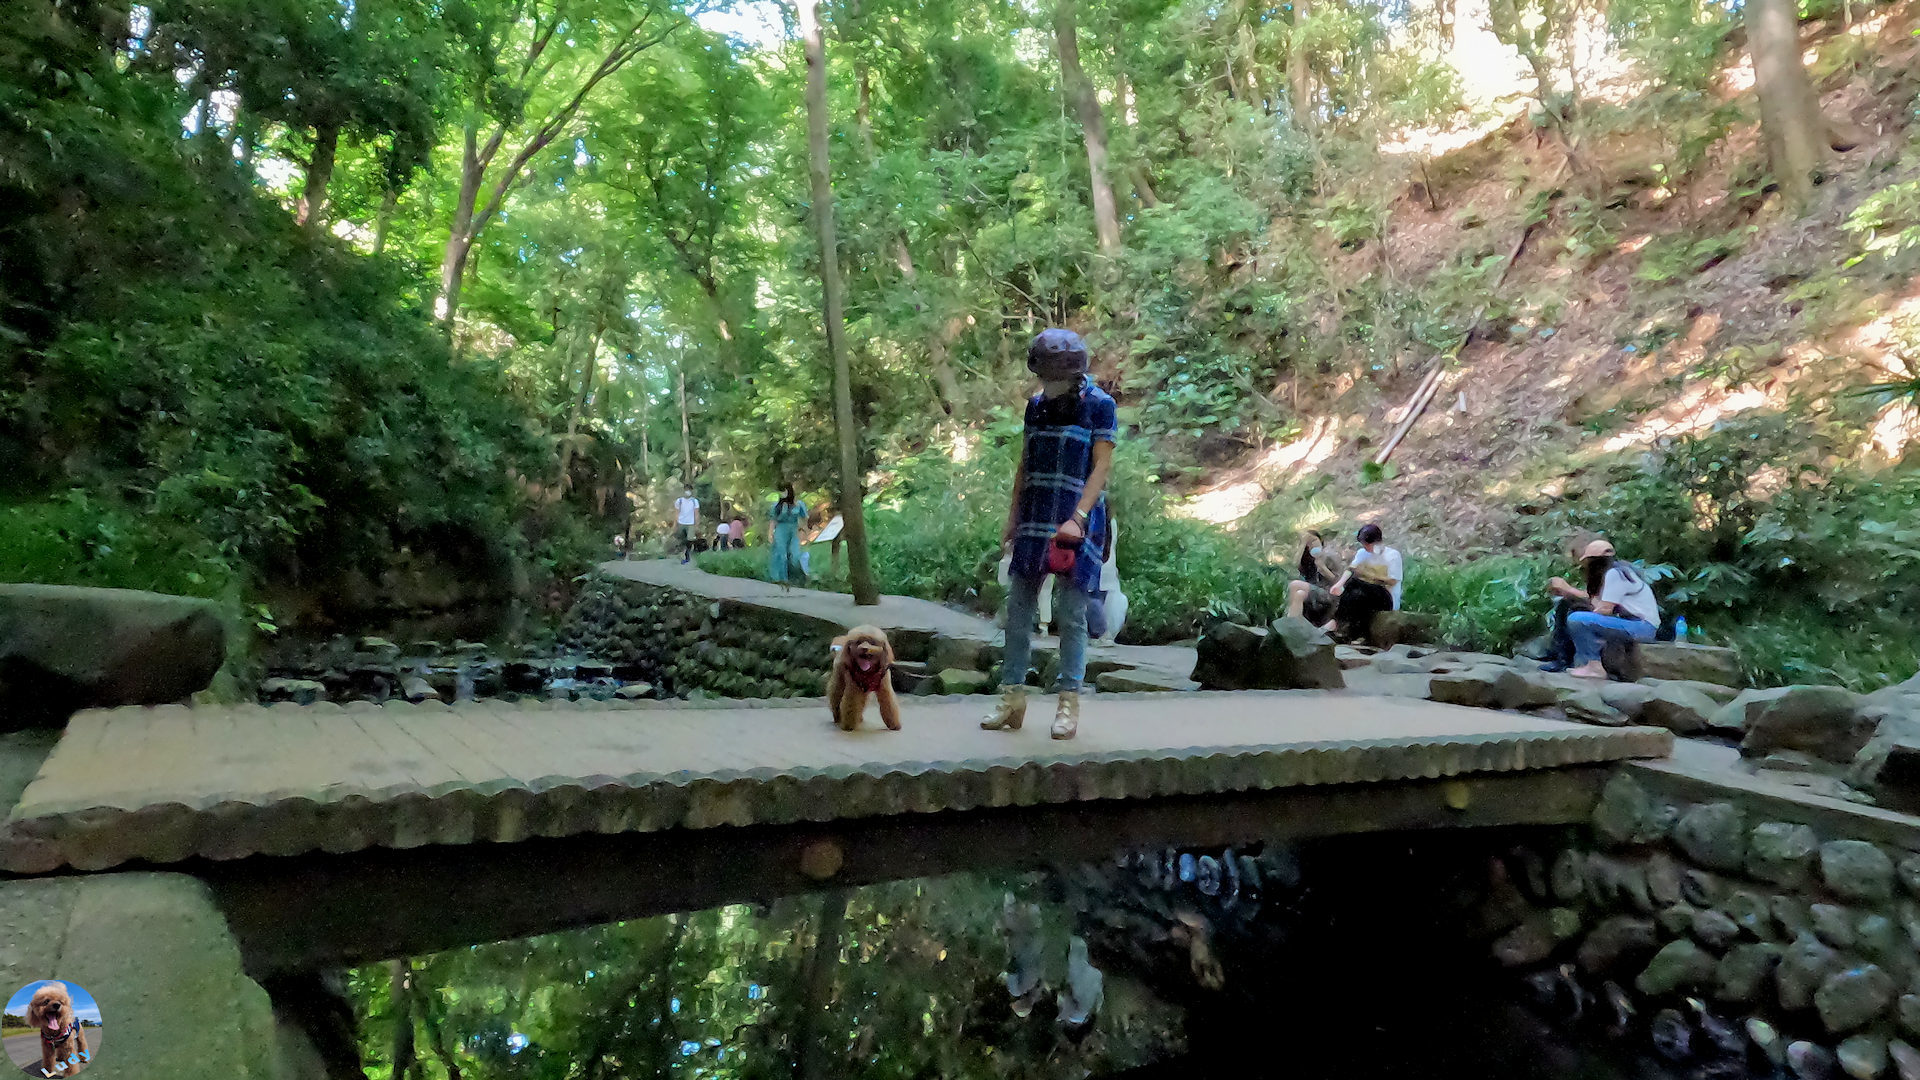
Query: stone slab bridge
{"x": 335, "y": 835}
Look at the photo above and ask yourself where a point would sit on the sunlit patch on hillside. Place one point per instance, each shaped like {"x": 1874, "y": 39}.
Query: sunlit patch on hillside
{"x": 1694, "y": 412}
{"x": 1231, "y": 501}
{"x": 1894, "y": 430}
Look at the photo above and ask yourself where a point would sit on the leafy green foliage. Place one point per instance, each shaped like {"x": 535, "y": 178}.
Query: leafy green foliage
{"x": 1491, "y": 604}
{"x": 272, "y": 400}
{"x": 1887, "y": 223}
{"x": 1809, "y": 566}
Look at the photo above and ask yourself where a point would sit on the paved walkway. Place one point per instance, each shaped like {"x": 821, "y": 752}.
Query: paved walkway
{"x": 892, "y": 613}
{"x": 170, "y": 783}
{"x": 1163, "y": 665}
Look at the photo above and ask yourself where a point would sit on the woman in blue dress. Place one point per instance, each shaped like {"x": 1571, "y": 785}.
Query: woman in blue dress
{"x": 784, "y": 561}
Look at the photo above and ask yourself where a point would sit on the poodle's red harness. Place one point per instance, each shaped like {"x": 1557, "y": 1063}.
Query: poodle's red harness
{"x": 869, "y": 679}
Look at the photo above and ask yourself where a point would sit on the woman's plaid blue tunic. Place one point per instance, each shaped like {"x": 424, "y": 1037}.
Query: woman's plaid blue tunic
{"x": 1059, "y": 456}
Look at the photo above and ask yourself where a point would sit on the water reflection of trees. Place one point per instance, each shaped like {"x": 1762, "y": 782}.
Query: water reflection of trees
{"x": 898, "y": 980}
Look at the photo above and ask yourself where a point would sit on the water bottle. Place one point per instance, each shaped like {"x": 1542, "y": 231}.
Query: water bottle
{"x": 1680, "y": 628}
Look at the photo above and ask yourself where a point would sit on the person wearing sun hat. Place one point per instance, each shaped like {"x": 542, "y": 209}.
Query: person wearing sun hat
{"x": 1624, "y": 608}
{"x": 1057, "y": 523}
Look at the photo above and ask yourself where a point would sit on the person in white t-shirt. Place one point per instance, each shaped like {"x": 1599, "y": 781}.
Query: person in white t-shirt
{"x": 1370, "y": 586}
{"x": 1624, "y": 609}
{"x": 686, "y": 511}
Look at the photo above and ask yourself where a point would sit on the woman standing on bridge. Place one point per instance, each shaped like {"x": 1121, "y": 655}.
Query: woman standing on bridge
{"x": 1057, "y": 524}
{"x": 784, "y": 561}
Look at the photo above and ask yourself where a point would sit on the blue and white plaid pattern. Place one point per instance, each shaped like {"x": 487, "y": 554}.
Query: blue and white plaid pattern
{"x": 1059, "y": 457}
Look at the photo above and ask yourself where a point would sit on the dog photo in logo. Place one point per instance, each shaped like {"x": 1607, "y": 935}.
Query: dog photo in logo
{"x": 51, "y": 1029}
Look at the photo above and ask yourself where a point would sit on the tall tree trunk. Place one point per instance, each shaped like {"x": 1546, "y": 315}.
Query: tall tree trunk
{"x": 580, "y": 403}
{"x": 1093, "y": 126}
{"x": 863, "y": 108}
{"x": 453, "y": 262}
{"x": 814, "y": 1060}
{"x": 939, "y": 362}
{"x": 646, "y": 421}
{"x": 1790, "y": 119}
{"x": 403, "y": 1053}
{"x": 852, "y": 496}
{"x": 326, "y": 143}
{"x": 686, "y": 425}
{"x": 1299, "y": 72}
{"x": 1143, "y": 187}
{"x": 389, "y": 200}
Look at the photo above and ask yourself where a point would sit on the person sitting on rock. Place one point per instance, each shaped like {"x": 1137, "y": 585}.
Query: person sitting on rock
{"x": 1370, "y": 586}
{"x": 1567, "y": 599}
{"x": 1320, "y": 567}
{"x": 1624, "y": 610}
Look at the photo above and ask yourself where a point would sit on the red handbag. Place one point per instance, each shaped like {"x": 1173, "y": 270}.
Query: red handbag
{"x": 1062, "y": 556}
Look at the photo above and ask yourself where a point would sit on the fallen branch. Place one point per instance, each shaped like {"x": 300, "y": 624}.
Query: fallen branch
{"x": 1415, "y": 406}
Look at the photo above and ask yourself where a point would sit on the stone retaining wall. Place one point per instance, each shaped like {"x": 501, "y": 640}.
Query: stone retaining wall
{"x": 1723, "y": 932}
{"x": 684, "y": 645}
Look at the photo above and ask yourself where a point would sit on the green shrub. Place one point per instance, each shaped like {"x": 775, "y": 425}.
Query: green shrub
{"x": 1489, "y": 605}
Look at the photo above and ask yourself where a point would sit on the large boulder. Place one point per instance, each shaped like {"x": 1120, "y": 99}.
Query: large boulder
{"x": 67, "y": 647}
{"x": 966, "y": 654}
{"x": 1392, "y": 628}
{"x": 1298, "y": 655}
{"x": 1733, "y": 717}
{"x": 1677, "y": 707}
{"x": 1681, "y": 660}
{"x": 1227, "y": 656}
{"x": 1493, "y": 686}
{"x": 1888, "y": 767}
{"x": 1587, "y": 706}
{"x": 1292, "y": 654}
{"x": 1824, "y": 721}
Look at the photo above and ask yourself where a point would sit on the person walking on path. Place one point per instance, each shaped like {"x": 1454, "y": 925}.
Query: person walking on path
{"x": 1057, "y": 524}
{"x": 686, "y": 511}
{"x": 784, "y": 561}
{"x": 739, "y": 530}
{"x": 1624, "y": 609}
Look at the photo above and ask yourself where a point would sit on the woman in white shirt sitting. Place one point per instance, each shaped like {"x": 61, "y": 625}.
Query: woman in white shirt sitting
{"x": 1623, "y": 610}
{"x": 1370, "y": 585}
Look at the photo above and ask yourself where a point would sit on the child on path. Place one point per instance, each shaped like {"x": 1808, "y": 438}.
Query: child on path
{"x": 1057, "y": 523}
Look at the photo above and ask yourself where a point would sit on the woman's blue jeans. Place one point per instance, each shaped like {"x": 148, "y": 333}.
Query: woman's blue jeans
{"x": 1591, "y": 631}
{"x": 1069, "y": 619}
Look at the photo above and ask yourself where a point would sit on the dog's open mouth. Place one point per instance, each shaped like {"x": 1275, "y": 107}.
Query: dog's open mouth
{"x": 864, "y": 663}
{"x": 54, "y": 1023}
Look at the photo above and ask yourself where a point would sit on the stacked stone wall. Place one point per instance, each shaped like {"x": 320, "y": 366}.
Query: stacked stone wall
{"x": 1724, "y": 931}
{"x": 686, "y": 645}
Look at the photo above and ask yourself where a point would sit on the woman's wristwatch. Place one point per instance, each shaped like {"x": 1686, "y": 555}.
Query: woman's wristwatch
{"x": 1083, "y": 518}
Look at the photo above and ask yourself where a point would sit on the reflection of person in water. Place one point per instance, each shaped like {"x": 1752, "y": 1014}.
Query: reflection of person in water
{"x": 1078, "y": 1000}
{"x": 1086, "y": 989}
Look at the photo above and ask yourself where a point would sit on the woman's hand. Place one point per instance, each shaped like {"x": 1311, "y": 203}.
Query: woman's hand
{"x": 1071, "y": 531}
{"x": 1338, "y": 588}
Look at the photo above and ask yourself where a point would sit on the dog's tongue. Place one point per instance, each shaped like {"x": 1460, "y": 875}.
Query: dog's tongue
{"x": 53, "y": 1023}
{"x": 865, "y": 663}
